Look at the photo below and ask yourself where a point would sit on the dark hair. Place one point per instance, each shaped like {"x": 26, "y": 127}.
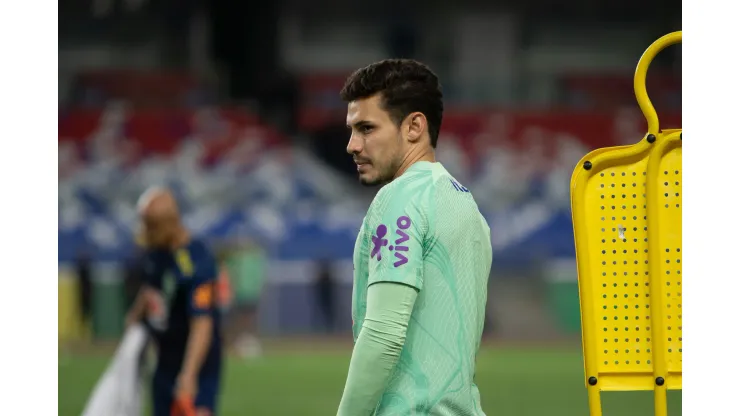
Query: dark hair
{"x": 406, "y": 86}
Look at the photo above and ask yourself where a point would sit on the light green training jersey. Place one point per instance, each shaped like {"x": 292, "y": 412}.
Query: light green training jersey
{"x": 424, "y": 230}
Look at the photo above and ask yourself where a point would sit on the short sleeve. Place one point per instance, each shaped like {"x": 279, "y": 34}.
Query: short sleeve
{"x": 397, "y": 241}
{"x": 203, "y": 287}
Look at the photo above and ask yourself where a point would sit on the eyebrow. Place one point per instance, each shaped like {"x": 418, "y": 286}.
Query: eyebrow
{"x": 361, "y": 123}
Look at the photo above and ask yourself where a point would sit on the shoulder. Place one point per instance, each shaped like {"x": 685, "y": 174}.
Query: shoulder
{"x": 446, "y": 187}
{"x": 201, "y": 252}
{"x": 412, "y": 188}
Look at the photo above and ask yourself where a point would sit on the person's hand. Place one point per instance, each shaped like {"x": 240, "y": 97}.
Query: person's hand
{"x": 186, "y": 387}
{"x": 185, "y": 390}
{"x": 130, "y": 321}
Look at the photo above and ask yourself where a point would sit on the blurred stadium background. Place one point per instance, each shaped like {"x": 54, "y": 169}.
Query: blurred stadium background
{"x": 234, "y": 105}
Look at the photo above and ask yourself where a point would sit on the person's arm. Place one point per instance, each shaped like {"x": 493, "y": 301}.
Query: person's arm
{"x": 395, "y": 277}
{"x": 151, "y": 280}
{"x": 136, "y": 312}
{"x": 201, "y": 328}
{"x": 378, "y": 347}
{"x": 202, "y": 306}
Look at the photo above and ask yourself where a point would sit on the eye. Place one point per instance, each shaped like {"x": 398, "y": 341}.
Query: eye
{"x": 366, "y": 129}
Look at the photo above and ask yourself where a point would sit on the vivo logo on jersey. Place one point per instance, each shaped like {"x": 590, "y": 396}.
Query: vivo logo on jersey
{"x": 458, "y": 186}
{"x": 403, "y": 223}
{"x": 379, "y": 241}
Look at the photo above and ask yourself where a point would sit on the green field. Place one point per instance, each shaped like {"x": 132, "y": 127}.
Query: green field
{"x": 528, "y": 382}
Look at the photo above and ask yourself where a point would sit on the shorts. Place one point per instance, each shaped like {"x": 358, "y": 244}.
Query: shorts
{"x": 163, "y": 386}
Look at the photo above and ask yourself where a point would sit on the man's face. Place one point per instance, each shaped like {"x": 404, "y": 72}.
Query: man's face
{"x": 158, "y": 232}
{"x": 375, "y": 144}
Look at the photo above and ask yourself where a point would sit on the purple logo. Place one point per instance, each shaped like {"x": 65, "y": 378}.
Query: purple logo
{"x": 379, "y": 241}
{"x": 403, "y": 223}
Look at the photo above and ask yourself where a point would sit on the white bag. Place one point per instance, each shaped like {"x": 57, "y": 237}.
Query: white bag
{"x": 119, "y": 390}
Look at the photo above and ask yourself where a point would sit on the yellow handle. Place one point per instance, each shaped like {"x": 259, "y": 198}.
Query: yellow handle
{"x": 641, "y": 75}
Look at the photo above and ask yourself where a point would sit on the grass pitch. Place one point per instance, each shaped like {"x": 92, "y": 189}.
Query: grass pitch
{"x": 307, "y": 382}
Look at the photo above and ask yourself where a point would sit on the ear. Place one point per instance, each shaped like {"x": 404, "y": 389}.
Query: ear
{"x": 414, "y": 127}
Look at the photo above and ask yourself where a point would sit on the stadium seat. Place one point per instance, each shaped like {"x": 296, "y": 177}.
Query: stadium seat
{"x": 626, "y": 208}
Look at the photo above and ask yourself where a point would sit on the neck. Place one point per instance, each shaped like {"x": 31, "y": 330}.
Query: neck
{"x": 413, "y": 156}
{"x": 182, "y": 238}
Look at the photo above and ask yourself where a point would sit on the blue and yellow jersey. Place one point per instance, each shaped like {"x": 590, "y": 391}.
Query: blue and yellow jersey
{"x": 186, "y": 280}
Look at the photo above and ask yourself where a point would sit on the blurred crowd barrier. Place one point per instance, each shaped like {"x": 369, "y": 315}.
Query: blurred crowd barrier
{"x": 284, "y": 221}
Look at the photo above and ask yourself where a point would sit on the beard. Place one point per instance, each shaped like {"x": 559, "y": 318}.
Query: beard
{"x": 380, "y": 176}
{"x": 383, "y": 173}
{"x": 371, "y": 181}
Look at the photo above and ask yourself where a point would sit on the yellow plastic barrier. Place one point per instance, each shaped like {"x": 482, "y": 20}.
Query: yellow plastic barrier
{"x": 71, "y": 327}
{"x": 626, "y": 205}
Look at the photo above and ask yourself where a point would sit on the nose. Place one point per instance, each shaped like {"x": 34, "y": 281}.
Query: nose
{"x": 354, "y": 146}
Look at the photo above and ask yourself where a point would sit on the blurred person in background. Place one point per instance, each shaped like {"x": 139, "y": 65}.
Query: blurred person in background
{"x": 178, "y": 304}
{"x": 422, "y": 258}
{"x": 224, "y": 291}
{"x": 325, "y": 290}
{"x": 84, "y": 274}
{"x": 246, "y": 264}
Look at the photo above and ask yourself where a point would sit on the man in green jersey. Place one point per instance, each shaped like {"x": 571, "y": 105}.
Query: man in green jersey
{"x": 422, "y": 257}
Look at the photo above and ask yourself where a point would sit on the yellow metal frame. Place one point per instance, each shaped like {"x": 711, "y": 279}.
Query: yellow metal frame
{"x": 626, "y": 207}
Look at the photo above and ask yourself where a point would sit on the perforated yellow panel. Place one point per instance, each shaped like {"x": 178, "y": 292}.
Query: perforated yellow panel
{"x": 610, "y": 220}
{"x": 664, "y": 213}
{"x": 624, "y": 317}
{"x": 626, "y": 205}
